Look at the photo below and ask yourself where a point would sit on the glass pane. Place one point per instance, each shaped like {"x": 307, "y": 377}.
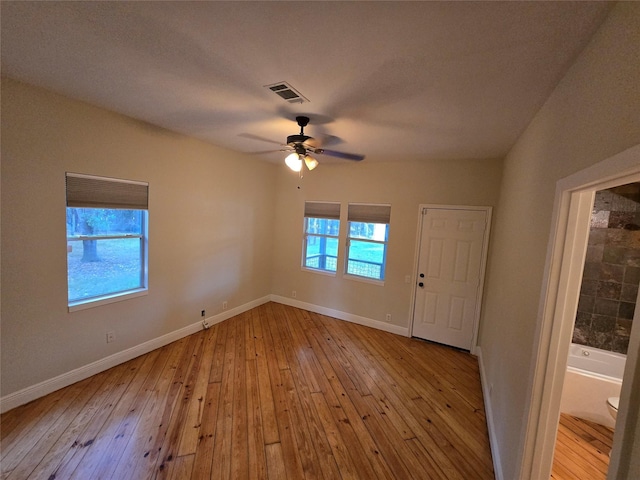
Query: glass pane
{"x": 103, "y": 267}
{"x": 322, "y": 226}
{"x": 369, "y": 231}
{"x": 366, "y": 259}
{"x": 103, "y": 221}
{"x": 322, "y": 253}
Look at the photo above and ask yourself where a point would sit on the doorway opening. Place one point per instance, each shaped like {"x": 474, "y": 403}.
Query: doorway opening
{"x": 601, "y": 334}
{"x": 563, "y": 274}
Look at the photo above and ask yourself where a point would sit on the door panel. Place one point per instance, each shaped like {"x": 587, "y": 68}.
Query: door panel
{"x": 450, "y": 256}
{"x": 435, "y": 257}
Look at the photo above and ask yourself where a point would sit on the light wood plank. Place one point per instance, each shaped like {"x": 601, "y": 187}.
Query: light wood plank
{"x": 347, "y": 467}
{"x": 204, "y": 453}
{"x": 98, "y": 420}
{"x": 19, "y": 450}
{"x": 59, "y": 453}
{"x": 137, "y": 461}
{"x": 255, "y": 443}
{"x": 183, "y": 467}
{"x": 292, "y": 460}
{"x": 164, "y": 420}
{"x": 217, "y": 363}
{"x": 127, "y": 428}
{"x": 191, "y": 431}
{"x": 240, "y": 421}
{"x": 221, "y": 464}
{"x": 275, "y": 461}
{"x": 308, "y": 423}
{"x": 582, "y": 449}
{"x": 464, "y": 427}
{"x": 52, "y": 436}
{"x": 267, "y": 405}
{"x": 366, "y": 456}
{"x": 179, "y": 411}
{"x": 276, "y": 392}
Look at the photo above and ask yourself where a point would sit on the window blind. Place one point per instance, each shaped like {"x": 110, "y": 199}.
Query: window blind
{"x": 87, "y": 191}
{"x": 369, "y": 213}
{"x": 322, "y": 210}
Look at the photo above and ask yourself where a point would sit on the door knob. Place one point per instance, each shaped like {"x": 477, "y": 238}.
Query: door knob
{"x": 421, "y": 284}
{"x": 422, "y": 275}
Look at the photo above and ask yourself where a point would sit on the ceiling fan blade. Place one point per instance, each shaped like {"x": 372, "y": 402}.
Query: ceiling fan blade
{"x": 346, "y": 156}
{"x": 326, "y": 139}
{"x": 256, "y": 137}
{"x": 265, "y": 152}
{"x": 311, "y": 143}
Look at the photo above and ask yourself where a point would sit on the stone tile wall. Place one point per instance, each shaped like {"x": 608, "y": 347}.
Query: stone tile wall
{"x": 611, "y": 272}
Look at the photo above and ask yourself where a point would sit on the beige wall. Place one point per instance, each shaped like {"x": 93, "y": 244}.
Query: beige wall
{"x": 591, "y": 115}
{"x": 210, "y": 231}
{"x": 213, "y": 232}
{"x": 405, "y": 185}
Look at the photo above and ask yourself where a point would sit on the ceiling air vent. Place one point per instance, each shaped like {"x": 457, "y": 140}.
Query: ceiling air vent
{"x": 287, "y": 92}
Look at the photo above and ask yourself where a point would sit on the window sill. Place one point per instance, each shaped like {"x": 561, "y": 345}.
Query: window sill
{"x": 321, "y": 272}
{"x": 357, "y": 278}
{"x": 116, "y": 297}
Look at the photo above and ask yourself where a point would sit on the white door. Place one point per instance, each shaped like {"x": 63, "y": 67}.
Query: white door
{"x": 451, "y": 261}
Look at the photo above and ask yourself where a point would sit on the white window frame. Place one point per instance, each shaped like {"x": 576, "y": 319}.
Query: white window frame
{"x": 89, "y": 191}
{"x": 322, "y": 211}
{"x": 367, "y": 213}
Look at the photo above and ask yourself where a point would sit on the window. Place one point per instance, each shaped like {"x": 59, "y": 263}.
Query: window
{"x": 367, "y": 240}
{"x": 106, "y": 239}
{"x": 321, "y": 229}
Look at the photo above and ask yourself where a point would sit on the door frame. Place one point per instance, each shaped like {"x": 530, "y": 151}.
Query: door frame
{"x": 558, "y": 303}
{"x": 483, "y": 263}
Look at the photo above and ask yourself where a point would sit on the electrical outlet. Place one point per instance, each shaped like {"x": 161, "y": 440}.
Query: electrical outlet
{"x": 407, "y": 279}
{"x": 111, "y": 337}
{"x": 224, "y": 305}
{"x": 388, "y": 317}
{"x": 293, "y": 294}
{"x": 202, "y": 313}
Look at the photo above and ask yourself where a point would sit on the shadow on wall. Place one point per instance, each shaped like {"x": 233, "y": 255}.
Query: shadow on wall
{"x": 611, "y": 271}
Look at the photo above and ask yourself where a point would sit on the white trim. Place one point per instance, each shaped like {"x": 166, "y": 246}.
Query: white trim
{"x": 328, "y": 273}
{"x": 367, "y": 322}
{"x": 51, "y": 385}
{"x": 360, "y": 278}
{"x": 565, "y": 255}
{"x": 493, "y": 439}
{"x": 483, "y": 263}
{"x": 113, "y": 298}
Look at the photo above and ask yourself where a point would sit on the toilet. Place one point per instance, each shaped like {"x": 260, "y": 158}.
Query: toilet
{"x": 612, "y": 405}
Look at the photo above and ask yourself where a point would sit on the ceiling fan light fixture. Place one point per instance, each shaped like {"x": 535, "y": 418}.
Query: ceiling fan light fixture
{"x": 294, "y": 162}
{"x": 310, "y": 162}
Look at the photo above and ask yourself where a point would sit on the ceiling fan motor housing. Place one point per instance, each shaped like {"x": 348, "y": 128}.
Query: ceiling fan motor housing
{"x": 293, "y": 139}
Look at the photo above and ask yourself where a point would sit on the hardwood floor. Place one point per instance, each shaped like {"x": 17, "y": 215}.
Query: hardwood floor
{"x": 275, "y": 393}
{"x": 582, "y": 450}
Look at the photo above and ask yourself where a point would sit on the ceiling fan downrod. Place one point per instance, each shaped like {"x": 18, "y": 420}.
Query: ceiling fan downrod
{"x": 293, "y": 140}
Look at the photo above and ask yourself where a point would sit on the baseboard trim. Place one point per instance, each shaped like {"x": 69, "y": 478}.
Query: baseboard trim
{"x": 41, "y": 389}
{"x": 367, "y": 322}
{"x": 493, "y": 440}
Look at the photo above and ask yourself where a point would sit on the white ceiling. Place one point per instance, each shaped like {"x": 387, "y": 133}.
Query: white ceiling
{"x": 391, "y": 80}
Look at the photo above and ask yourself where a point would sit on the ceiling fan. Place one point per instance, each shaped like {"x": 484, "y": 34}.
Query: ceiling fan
{"x": 301, "y": 147}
